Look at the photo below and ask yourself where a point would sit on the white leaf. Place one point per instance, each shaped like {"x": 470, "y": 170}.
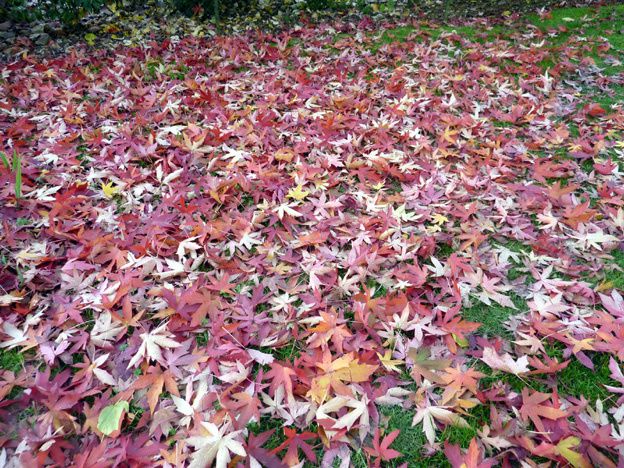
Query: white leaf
{"x": 505, "y": 362}
{"x": 182, "y": 406}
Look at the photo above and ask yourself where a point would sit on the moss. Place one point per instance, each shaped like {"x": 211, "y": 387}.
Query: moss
{"x": 444, "y": 251}
{"x": 11, "y": 359}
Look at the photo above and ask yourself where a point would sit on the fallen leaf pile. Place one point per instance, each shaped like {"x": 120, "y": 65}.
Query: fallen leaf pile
{"x": 215, "y": 233}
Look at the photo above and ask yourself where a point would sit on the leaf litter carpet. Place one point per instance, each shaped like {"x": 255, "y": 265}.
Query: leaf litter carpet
{"x": 242, "y": 251}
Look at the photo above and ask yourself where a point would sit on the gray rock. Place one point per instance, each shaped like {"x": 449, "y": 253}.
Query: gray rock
{"x": 41, "y": 39}
{"x": 38, "y": 28}
{"x": 5, "y": 26}
{"x": 7, "y": 35}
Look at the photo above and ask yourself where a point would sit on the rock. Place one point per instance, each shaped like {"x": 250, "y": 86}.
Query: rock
{"x": 41, "y": 39}
{"x": 7, "y": 35}
{"x": 38, "y": 28}
{"x": 5, "y": 26}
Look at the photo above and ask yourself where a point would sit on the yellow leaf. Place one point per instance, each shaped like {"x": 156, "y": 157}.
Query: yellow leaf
{"x": 582, "y": 345}
{"x": 462, "y": 342}
{"x": 604, "y": 286}
{"x": 111, "y": 416}
{"x": 298, "y": 193}
{"x": 110, "y": 28}
{"x": 389, "y": 363}
{"x": 90, "y": 38}
{"x": 439, "y": 219}
{"x": 284, "y": 154}
{"x": 378, "y": 186}
{"x": 109, "y": 190}
{"x": 564, "y": 448}
{"x": 433, "y": 229}
{"x": 348, "y": 369}
{"x": 345, "y": 369}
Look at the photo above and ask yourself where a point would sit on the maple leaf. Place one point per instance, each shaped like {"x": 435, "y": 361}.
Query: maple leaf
{"x": 336, "y": 373}
{"x": 357, "y": 411}
{"x": 298, "y": 193}
{"x": 531, "y": 342}
{"x": 151, "y": 344}
{"x": 381, "y": 448}
{"x": 95, "y": 368}
{"x": 244, "y": 407}
{"x": 327, "y": 329}
{"x": 288, "y": 410}
{"x": 287, "y": 209}
{"x": 472, "y": 459}
{"x": 10, "y": 298}
{"x": 595, "y": 110}
{"x": 388, "y": 363}
{"x": 109, "y": 420}
{"x": 614, "y": 304}
{"x": 458, "y": 380}
{"x": 595, "y": 239}
{"x": 155, "y": 380}
{"x": 261, "y": 455}
{"x": 424, "y": 367}
{"x": 430, "y": 414}
{"x": 295, "y": 441}
{"x": 281, "y": 376}
{"x": 284, "y": 154}
{"x": 213, "y": 444}
{"x": 109, "y": 190}
{"x": 505, "y": 362}
{"x": 564, "y": 448}
{"x": 533, "y": 408}
{"x": 18, "y": 337}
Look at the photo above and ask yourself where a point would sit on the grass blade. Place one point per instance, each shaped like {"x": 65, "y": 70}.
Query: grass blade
{"x": 5, "y": 161}
{"x": 17, "y": 168}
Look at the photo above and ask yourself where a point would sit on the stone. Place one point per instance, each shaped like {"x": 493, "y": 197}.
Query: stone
{"x": 6, "y": 26}
{"x": 41, "y": 39}
{"x": 7, "y": 35}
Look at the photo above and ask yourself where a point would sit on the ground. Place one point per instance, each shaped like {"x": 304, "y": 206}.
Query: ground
{"x": 285, "y": 247}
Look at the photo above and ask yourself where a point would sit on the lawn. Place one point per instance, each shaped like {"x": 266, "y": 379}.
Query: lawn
{"x": 394, "y": 243}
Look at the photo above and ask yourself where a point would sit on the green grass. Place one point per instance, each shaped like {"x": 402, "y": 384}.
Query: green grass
{"x": 577, "y": 380}
{"x": 493, "y": 317}
{"x": 612, "y": 274}
{"x": 608, "y": 101}
{"x": 560, "y": 18}
{"x": 11, "y": 360}
{"x": 616, "y": 277}
{"x": 286, "y": 353}
{"x": 267, "y": 424}
{"x": 411, "y": 440}
{"x": 566, "y": 23}
{"x": 399, "y": 34}
{"x": 444, "y": 251}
